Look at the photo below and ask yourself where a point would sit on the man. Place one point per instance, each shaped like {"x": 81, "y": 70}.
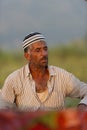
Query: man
{"x": 37, "y": 86}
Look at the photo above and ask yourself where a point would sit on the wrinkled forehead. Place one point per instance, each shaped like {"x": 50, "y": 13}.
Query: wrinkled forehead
{"x": 39, "y": 44}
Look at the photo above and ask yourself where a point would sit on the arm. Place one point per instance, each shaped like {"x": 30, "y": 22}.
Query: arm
{"x": 6, "y": 105}
{"x": 77, "y": 89}
{"x": 82, "y": 107}
{"x": 7, "y": 94}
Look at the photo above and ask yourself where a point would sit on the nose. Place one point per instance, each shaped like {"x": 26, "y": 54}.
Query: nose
{"x": 44, "y": 52}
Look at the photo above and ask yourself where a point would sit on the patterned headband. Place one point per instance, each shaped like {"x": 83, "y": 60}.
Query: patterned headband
{"x": 32, "y": 38}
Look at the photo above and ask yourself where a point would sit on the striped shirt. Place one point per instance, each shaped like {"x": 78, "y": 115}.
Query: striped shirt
{"x": 19, "y": 88}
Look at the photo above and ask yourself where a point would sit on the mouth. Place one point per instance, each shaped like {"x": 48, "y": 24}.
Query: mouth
{"x": 44, "y": 61}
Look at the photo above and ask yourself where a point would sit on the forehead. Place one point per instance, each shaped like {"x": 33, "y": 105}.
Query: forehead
{"x": 39, "y": 44}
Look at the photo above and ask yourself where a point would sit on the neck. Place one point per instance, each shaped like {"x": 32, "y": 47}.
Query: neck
{"x": 38, "y": 70}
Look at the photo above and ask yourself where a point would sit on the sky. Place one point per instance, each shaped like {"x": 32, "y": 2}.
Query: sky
{"x": 60, "y": 21}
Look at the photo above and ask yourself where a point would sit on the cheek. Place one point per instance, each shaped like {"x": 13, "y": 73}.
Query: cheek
{"x": 33, "y": 58}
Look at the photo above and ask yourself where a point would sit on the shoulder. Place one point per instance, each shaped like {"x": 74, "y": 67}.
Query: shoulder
{"x": 15, "y": 75}
{"x": 58, "y": 69}
{"x": 60, "y": 72}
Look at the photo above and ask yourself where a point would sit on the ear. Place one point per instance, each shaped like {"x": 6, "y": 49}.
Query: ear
{"x": 27, "y": 56}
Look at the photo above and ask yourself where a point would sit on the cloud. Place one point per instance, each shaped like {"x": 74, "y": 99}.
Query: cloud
{"x": 60, "y": 20}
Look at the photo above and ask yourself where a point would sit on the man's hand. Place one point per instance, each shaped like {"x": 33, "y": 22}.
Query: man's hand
{"x": 82, "y": 107}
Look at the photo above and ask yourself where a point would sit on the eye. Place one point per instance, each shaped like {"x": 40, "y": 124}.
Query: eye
{"x": 45, "y": 48}
{"x": 37, "y": 50}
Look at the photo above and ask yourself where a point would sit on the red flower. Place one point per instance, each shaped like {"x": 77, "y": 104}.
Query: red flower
{"x": 40, "y": 126}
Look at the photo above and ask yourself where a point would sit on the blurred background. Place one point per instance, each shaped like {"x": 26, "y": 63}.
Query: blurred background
{"x": 62, "y": 22}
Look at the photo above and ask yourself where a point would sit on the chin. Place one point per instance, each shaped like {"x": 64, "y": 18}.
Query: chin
{"x": 44, "y": 65}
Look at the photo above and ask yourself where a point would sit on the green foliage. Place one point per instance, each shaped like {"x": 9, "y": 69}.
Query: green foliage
{"x": 71, "y": 58}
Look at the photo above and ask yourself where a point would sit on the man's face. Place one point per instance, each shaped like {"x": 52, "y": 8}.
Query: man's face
{"x": 39, "y": 54}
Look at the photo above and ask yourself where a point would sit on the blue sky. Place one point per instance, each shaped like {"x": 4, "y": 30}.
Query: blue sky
{"x": 60, "y": 21}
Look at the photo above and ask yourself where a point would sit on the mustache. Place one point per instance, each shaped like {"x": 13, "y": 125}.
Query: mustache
{"x": 44, "y": 58}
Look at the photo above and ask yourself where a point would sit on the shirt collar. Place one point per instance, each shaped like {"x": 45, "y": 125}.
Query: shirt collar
{"x": 51, "y": 70}
{"x": 27, "y": 70}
